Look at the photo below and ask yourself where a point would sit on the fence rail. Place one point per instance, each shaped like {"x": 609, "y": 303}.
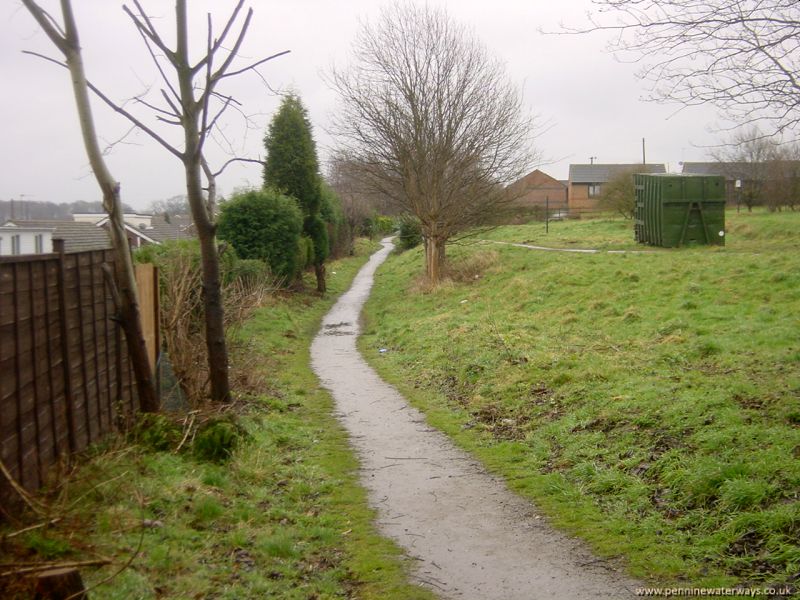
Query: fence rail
{"x": 65, "y": 376}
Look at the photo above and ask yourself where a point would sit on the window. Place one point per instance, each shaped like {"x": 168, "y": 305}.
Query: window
{"x": 38, "y": 242}
{"x": 594, "y": 190}
{"x": 15, "y": 248}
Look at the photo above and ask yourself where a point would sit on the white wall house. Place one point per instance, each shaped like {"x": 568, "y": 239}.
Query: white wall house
{"x": 16, "y": 240}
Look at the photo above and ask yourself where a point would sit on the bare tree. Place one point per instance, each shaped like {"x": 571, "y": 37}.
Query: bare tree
{"x": 174, "y": 205}
{"x": 618, "y": 193}
{"x": 67, "y": 41}
{"x": 742, "y": 56}
{"x": 359, "y": 201}
{"x": 191, "y": 101}
{"x": 433, "y": 121}
{"x": 783, "y": 178}
{"x": 745, "y": 159}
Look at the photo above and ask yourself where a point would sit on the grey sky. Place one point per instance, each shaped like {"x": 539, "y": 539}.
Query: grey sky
{"x": 590, "y": 101}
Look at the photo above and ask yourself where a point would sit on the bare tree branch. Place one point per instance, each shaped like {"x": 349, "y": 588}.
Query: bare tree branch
{"x": 48, "y": 25}
{"x": 253, "y": 66}
{"x": 741, "y": 56}
{"x": 212, "y": 49}
{"x": 115, "y": 107}
{"x": 146, "y": 29}
{"x": 227, "y": 163}
{"x": 234, "y": 51}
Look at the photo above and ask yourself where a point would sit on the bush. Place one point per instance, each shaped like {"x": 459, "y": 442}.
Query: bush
{"x": 375, "y": 226}
{"x": 305, "y": 254}
{"x": 249, "y": 271}
{"x": 410, "y": 232}
{"x": 264, "y": 225}
{"x": 340, "y": 236}
{"x": 217, "y": 439}
{"x": 188, "y": 250}
{"x": 317, "y": 231}
{"x": 383, "y": 225}
{"x": 156, "y": 432}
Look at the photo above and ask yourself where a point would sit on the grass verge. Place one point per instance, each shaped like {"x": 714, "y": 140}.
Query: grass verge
{"x": 746, "y": 232}
{"x": 648, "y": 402}
{"x": 283, "y": 517}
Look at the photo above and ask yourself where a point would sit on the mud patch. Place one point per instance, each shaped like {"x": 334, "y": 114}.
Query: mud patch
{"x": 343, "y": 328}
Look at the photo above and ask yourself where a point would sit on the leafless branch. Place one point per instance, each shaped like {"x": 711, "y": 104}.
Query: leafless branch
{"x": 740, "y": 56}
{"x": 212, "y": 49}
{"x": 146, "y": 29}
{"x": 227, "y": 163}
{"x": 253, "y": 66}
{"x": 115, "y": 107}
{"x": 53, "y": 31}
{"x": 147, "y": 43}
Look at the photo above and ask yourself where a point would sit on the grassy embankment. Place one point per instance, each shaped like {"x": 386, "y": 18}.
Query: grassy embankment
{"x": 283, "y": 518}
{"x": 649, "y": 403}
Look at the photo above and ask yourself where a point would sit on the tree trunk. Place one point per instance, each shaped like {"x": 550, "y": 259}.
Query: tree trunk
{"x": 128, "y": 307}
{"x": 60, "y": 584}
{"x": 434, "y": 259}
{"x": 212, "y": 293}
{"x": 319, "y": 271}
{"x": 201, "y": 214}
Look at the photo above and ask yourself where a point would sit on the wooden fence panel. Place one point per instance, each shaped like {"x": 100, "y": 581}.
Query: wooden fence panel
{"x": 147, "y": 284}
{"x": 65, "y": 377}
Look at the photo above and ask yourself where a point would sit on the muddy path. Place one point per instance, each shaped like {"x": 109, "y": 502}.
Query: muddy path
{"x": 469, "y": 536}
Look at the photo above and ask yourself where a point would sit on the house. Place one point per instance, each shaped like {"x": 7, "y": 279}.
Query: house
{"x": 586, "y": 182}
{"x": 36, "y": 237}
{"x": 143, "y": 229}
{"x": 536, "y": 190}
{"x": 20, "y": 239}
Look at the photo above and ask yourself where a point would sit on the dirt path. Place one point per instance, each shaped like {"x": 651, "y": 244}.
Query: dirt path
{"x": 572, "y": 250}
{"x": 470, "y": 537}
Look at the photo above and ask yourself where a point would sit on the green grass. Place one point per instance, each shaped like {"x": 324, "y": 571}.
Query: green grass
{"x": 745, "y": 232}
{"x": 648, "y": 402}
{"x": 284, "y": 517}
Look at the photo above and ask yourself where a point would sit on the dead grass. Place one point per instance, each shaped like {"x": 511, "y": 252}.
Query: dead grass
{"x": 459, "y": 269}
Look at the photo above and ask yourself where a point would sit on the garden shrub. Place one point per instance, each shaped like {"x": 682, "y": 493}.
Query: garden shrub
{"x": 216, "y": 440}
{"x": 410, "y": 232}
{"x": 265, "y": 225}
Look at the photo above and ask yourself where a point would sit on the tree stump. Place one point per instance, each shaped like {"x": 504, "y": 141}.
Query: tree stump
{"x": 60, "y": 584}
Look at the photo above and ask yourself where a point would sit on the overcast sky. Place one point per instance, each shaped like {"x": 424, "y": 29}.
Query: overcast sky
{"x": 591, "y": 104}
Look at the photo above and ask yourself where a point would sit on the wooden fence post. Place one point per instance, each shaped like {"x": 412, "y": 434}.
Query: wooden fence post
{"x": 58, "y": 247}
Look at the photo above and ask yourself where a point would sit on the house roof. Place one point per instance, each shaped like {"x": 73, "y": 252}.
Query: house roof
{"x": 78, "y": 237}
{"x": 538, "y": 179}
{"x": 743, "y": 170}
{"x": 179, "y": 228}
{"x": 729, "y": 170}
{"x": 602, "y": 173}
{"x": 12, "y": 227}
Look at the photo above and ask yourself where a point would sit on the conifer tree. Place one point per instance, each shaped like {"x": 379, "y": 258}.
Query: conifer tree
{"x": 292, "y": 168}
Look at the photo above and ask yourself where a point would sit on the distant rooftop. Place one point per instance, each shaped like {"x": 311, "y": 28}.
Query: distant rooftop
{"x": 157, "y": 229}
{"x": 77, "y": 236}
{"x": 598, "y": 173}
